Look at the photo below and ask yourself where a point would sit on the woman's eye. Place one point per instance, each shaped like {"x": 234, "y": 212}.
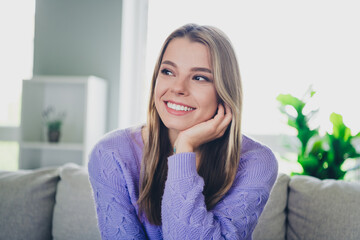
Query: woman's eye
{"x": 201, "y": 78}
{"x": 166, "y": 72}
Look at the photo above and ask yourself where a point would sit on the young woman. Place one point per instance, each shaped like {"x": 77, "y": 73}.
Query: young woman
{"x": 188, "y": 173}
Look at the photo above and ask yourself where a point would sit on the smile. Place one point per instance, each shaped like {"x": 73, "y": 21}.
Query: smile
{"x": 179, "y": 107}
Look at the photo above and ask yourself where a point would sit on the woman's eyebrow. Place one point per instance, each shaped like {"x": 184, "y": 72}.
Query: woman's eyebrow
{"x": 169, "y": 63}
{"x": 201, "y": 69}
{"x": 194, "y": 69}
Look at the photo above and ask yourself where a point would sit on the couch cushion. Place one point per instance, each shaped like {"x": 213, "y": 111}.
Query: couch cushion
{"x": 74, "y": 212}
{"x": 272, "y": 222}
{"x": 27, "y": 199}
{"x": 323, "y": 209}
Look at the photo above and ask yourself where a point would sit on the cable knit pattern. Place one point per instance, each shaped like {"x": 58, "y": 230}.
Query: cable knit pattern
{"x": 114, "y": 170}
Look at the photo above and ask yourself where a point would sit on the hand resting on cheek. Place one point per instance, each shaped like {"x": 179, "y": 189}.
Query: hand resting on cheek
{"x": 190, "y": 139}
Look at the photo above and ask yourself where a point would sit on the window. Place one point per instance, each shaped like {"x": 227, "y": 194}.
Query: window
{"x": 16, "y": 58}
{"x": 282, "y": 47}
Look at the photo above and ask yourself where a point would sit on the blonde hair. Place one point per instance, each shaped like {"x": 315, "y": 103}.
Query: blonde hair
{"x": 219, "y": 159}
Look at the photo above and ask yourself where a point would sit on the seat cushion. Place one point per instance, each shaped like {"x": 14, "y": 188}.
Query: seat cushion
{"x": 272, "y": 222}
{"x": 27, "y": 199}
{"x": 74, "y": 212}
{"x": 323, "y": 209}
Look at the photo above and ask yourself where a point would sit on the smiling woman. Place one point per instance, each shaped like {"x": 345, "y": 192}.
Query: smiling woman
{"x": 183, "y": 83}
{"x": 188, "y": 172}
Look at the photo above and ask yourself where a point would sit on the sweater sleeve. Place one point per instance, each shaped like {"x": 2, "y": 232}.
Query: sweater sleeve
{"x": 117, "y": 217}
{"x": 184, "y": 213}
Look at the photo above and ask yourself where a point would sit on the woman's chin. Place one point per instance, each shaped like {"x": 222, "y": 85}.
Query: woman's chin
{"x": 178, "y": 127}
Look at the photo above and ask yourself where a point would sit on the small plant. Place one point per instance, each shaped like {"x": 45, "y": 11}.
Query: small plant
{"x": 319, "y": 156}
{"x": 53, "y": 121}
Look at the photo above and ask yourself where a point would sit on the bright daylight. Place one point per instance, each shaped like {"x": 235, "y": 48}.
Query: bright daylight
{"x": 191, "y": 119}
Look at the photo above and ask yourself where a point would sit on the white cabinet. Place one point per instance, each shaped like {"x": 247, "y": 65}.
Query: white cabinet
{"x": 82, "y": 98}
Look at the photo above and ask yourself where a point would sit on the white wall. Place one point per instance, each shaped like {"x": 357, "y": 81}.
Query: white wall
{"x": 80, "y": 37}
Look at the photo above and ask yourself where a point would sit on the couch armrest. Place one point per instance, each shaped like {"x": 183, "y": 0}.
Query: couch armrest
{"x": 323, "y": 209}
{"x": 74, "y": 212}
{"x": 27, "y": 199}
{"x": 272, "y": 222}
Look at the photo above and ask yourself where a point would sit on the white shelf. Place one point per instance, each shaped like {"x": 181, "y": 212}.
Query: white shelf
{"x": 82, "y": 98}
{"x": 53, "y": 146}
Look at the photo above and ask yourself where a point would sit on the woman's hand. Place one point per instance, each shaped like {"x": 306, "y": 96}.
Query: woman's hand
{"x": 191, "y": 138}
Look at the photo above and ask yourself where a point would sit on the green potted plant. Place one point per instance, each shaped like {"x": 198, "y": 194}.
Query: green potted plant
{"x": 319, "y": 156}
{"x": 53, "y": 122}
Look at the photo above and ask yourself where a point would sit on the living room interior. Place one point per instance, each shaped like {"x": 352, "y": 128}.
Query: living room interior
{"x": 89, "y": 65}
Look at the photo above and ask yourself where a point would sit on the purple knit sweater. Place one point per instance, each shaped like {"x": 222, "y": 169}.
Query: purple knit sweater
{"x": 114, "y": 170}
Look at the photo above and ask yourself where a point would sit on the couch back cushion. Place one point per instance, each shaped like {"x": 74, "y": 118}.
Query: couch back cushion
{"x": 74, "y": 212}
{"x": 27, "y": 199}
{"x": 323, "y": 209}
{"x": 272, "y": 222}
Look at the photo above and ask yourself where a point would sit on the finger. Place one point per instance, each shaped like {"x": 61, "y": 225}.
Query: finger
{"x": 220, "y": 113}
{"x": 221, "y": 109}
{"x": 218, "y": 119}
{"x": 227, "y": 109}
{"x": 217, "y": 125}
{"x": 228, "y": 113}
{"x": 227, "y": 119}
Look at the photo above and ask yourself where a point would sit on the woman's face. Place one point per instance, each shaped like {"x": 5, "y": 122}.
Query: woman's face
{"x": 185, "y": 94}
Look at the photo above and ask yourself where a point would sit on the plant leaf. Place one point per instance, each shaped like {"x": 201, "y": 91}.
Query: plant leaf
{"x": 287, "y": 99}
{"x": 339, "y": 128}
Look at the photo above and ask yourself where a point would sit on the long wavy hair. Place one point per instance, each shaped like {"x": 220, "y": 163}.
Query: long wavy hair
{"x": 219, "y": 159}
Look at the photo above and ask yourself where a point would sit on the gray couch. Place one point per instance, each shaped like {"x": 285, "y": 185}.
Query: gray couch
{"x": 56, "y": 203}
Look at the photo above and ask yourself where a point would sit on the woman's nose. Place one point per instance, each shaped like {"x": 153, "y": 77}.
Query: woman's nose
{"x": 180, "y": 86}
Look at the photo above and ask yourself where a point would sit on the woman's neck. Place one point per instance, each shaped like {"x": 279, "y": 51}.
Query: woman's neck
{"x": 173, "y": 134}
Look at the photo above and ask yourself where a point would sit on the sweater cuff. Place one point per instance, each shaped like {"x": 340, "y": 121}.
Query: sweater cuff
{"x": 182, "y": 165}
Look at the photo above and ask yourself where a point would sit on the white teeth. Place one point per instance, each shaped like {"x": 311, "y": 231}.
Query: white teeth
{"x": 178, "y": 107}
